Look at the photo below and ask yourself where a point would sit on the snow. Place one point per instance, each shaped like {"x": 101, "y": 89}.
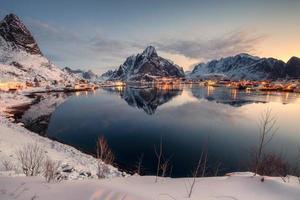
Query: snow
{"x": 8, "y": 100}
{"x": 14, "y": 136}
{"x": 239, "y": 186}
{"x": 18, "y": 65}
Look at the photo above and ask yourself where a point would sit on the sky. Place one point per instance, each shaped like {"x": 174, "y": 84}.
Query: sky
{"x": 99, "y": 35}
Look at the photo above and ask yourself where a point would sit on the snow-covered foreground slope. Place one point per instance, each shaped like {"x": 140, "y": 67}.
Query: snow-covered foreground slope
{"x": 14, "y": 137}
{"x": 235, "y": 187}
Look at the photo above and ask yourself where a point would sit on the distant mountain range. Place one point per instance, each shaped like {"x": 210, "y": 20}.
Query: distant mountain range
{"x": 21, "y": 59}
{"x": 245, "y": 66}
{"x": 80, "y": 74}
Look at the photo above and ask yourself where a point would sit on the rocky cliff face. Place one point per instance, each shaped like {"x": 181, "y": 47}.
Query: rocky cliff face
{"x": 20, "y": 57}
{"x": 146, "y": 66}
{"x": 13, "y": 31}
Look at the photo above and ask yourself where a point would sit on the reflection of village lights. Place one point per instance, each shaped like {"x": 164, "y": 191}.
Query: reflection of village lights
{"x": 210, "y": 90}
{"x": 248, "y": 90}
{"x": 268, "y": 96}
{"x": 77, "y": 93}
{"x": 119, "y": 88}
{"x": 287, "y": 95}
{"x": 234, "y": 94}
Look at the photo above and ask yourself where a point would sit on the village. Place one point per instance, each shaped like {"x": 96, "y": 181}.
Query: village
{"x": 163, "y": 83}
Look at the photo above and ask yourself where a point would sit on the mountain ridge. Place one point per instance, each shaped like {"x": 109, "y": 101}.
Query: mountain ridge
{"x": 246, "y": 66}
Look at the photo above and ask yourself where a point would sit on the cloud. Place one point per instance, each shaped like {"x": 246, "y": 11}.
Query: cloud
{"x": 240, "y": 41}
{"x": 48, "y": 32}
{"x": 72, "y": 48}
{"x": 111, "y": 47}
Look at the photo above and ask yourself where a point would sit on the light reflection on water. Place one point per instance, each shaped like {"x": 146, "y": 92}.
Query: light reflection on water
{"x": 133, "y": 120}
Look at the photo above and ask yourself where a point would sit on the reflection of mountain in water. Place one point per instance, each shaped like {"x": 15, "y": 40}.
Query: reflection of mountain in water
{"x": 37, "y": 117}
{"x": 222, "y": 95}
{"x": 239, "y": 98}
{"x": 148, "y": 99}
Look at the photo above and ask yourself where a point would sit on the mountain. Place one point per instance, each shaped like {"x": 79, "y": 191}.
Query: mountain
{"x": 293, "y": 67}
{"x": 15, "y": 32}
{"x": 242, "y": 66}
{"x": 80, "y": 74}
{"x": 21, "y": 58}
{"x": 146, "y": 66}
{"x": 107, "y": 75}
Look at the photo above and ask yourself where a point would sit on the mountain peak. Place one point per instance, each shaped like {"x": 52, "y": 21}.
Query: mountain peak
{"x": 150, "y": 51}
{"x": 11, "y": 17}
{"x": 246, "y": 55}
{"x": 14, "y": 32}
{"x": 294, "y": 59}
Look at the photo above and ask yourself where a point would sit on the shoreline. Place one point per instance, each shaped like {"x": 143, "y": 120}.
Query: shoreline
{"x": 13, "y": 135}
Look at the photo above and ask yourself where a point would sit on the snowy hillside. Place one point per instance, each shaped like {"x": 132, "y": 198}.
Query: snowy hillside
{"x": 242, "y": 66}
{"x": 21, "y": 58}
{"x": 79, "y": 165}
{"x": 146, "y": 66}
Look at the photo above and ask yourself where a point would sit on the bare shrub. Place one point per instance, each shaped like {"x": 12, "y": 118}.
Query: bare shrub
{"x": 273, "y": 165}
{"x": 102, "y": 170}
{"x": 8, "y": 165}
{"x": 201, "y": 168}
{"x": 139, "y": 164}
{"x": 158, "y": 154}
{"x": 165, "y": 166}
{"x": 31, "y": 157}
{"x": 103, "y": 151}
{"x": 266, "y": 133}
{"x": 51, "y": 172}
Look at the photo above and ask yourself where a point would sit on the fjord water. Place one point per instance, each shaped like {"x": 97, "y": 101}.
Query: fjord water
{"x": 185, "y": 117}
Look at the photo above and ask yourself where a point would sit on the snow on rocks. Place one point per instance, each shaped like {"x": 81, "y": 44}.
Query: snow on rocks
{"x": 8, "y": 100}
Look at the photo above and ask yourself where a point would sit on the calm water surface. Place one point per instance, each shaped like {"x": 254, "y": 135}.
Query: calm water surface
{"x": 133, "y": 121}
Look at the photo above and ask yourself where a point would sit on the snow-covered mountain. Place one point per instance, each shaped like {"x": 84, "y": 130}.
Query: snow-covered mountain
{"x": 107, "y": 75}
{"x": 245, "y": 66}
{"x": 80, "y": 74}
{"x": 146, "y": 66}
{"x": 20, "y": 57}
